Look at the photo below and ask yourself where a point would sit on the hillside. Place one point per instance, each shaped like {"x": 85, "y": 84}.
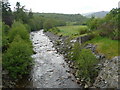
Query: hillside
{"x": 96, "y": 14}
{"x": 65, "y": 17}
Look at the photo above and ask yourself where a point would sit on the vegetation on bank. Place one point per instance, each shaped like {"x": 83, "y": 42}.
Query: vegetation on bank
{"x": 85, "y": 61}
{"x": 72, "y": 30}
{"x": 75, "y": 19}
{"x": 104, "y": 33}
{"x": 106, "y": 46}
{"x": 17, "y": 48}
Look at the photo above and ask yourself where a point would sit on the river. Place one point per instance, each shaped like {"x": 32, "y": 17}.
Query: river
{"x": 50, "y": 69}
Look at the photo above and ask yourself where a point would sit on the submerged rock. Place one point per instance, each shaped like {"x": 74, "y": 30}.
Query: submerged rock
{"x": 51, "y": 66}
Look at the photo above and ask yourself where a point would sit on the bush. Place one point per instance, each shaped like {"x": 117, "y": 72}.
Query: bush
{"x": 109, "y": 30}
{"x": 17, "y": 59}
{"x": 18, "y": 29}
{"x": 36, "y": 23}
{"x": 4, "y": 37}
{"x": 27, "y": 27}
{"x": 55, "y": 30}
{"x": 83, "y": 30}
{"x": 92, "y": 35}
{"x": 48, "y": 24}
{"x": 86, "y": 62}
{"x": 5, "y": 29}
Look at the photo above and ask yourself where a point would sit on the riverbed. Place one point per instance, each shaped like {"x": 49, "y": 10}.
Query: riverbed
{"x": 50, "y": 69}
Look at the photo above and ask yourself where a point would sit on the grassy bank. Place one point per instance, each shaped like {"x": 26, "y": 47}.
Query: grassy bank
{"x": 71, "y": 30}
{"x": 106, "y": 46}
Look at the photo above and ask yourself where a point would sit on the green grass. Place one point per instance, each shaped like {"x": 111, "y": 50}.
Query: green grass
{"x": 71, "y": 30}
{"x": 106, "y": 46}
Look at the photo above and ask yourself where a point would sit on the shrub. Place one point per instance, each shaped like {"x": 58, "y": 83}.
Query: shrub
{"x": 76, "y": 51}
{"x": 27, "y": 27}
{"x": 36, "y": 23}
{"x": 55, "y": 30}
{"x": 4, "y": 36}
{"x": 91, "y": 35}
{"x": 86, "y": 62}
{"x": 17, "y": 59}
{"x": 83, "y": 30}
{"x": 5, "y": 29}
{"x": 109, "y": 30}
{"x": 18, "y": 29}
{"x": 48, "y": 24}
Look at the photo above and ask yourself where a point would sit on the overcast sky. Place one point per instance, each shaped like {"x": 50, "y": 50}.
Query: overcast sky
{"x": 67, "y": 6}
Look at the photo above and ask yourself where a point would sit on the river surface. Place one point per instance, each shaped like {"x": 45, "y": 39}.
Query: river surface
{"x": 50, "y": 69}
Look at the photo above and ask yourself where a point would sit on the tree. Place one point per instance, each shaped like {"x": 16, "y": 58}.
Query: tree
{"x": 110, "y": 26}
{"x": 7, "y": 15}
{"x": 30, "y": 15}
{"x": 18, "y": 29}
{"x": 17, "y": 59}
{"x": 20, "y": 13}
{"x": 48, "y": 24}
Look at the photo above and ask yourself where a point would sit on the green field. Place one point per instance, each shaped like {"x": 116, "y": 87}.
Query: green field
{"x": 106, "y": 46}
{"x": 71, "y": 30}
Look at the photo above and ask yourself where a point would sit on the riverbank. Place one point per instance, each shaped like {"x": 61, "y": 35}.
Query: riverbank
{"x": 103, "y": 78}
{"x": 52, "y": 64}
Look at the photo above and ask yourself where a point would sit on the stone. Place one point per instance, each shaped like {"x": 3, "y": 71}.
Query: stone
{"x": 86, "y": 86}
{"x": 73, "y": 41}
{"x": 69, "y": 76}
{"x": 68, "y": 70}
{"x": 51, "y": 70}
{"x": 107, "y": 77}
{"x": 77, "y": 81}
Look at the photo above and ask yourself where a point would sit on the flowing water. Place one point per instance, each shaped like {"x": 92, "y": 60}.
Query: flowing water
{"x": 49, "y": 70}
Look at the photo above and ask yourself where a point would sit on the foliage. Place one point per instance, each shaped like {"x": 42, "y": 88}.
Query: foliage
{"x": 7, "y": 15}
{"x": 78, "y": 18}
{"x": 106, "y": 46}
{"x": 18, "y": 29}
{"x": 71, "y": 30}
{"x": 93, "y": 23}
{"x": 20, "y": 13}
{"x": 0, "y": 39}
{"x": 55, "y": 30}
{"x": 84, "y": 30}
{"x": 27, "y": 27}
{"x": 111, "y": 26}
{"x": 5, "y": 42}
{"x": 86, "y": 62}
{"x": 36, "y": 23}
{"x": 5, "y": 29}
{"x": 17, "y": 58}
{"x": 50, "y": 23}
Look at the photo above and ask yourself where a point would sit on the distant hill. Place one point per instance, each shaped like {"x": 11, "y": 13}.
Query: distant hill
{"x": 64, "y": 17}
{"x": 100, "y": 14}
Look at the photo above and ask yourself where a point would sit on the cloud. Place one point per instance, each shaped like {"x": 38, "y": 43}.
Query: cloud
{"x": 68, "y": 6}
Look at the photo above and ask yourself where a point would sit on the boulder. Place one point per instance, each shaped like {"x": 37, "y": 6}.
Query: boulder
{"x": 108, "y": 76}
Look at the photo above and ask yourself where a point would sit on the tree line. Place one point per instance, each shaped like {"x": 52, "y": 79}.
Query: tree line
{"x": 16, "y": 46}
{"x": 108, "y": 26}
